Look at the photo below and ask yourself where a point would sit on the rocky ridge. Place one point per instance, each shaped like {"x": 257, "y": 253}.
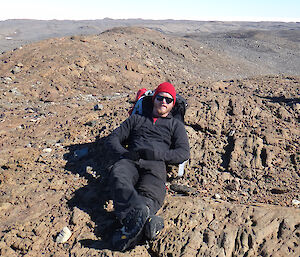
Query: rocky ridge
{"x": 240, "y": 189}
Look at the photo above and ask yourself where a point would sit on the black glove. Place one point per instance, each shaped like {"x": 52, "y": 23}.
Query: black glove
{"x": 146, "y": 154}
{"x": 134, "y": 156}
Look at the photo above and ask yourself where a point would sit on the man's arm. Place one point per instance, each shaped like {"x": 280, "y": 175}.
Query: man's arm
{"x": 119, "y": 135}
{"x": 181, "y": 150}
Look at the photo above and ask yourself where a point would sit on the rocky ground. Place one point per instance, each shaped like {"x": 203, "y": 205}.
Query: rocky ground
{"x": 240, "y": 192}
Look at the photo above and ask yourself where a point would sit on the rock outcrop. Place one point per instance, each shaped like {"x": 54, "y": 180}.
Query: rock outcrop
{"x": 243, "y": 175}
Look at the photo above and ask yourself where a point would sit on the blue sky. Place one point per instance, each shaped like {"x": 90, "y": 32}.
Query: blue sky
{"x": 229, "y": 10}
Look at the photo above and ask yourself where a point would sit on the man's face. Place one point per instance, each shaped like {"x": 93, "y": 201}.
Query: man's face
{"x": 161, "y": 107}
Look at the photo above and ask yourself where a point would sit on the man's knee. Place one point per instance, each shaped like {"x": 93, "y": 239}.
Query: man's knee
{"x": 121, "y": 167}
{"x": 123, "y": 163}
{"x": 123, "y": 171}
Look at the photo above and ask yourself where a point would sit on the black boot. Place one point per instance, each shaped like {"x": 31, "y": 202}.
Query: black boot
{"x": 131, "y": 232}
{"x": 153, "y": 226}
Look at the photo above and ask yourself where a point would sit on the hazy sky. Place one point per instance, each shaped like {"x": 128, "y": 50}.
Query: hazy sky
{"x": 271, "y": 10}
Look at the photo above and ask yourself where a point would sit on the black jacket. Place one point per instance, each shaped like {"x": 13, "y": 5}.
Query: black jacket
{"x": 166, "y": 137}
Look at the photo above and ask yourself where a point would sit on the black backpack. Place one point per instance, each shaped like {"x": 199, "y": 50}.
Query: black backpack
{"x": 143, "y": 105}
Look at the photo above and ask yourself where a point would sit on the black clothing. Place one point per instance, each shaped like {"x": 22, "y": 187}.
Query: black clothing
{"x": 166, "y": 137}
{"x": 136, "y": 183}
{"x": 153, "y": 226}
{"x": 132, "y": 231}
{"x": 139, "y": 177}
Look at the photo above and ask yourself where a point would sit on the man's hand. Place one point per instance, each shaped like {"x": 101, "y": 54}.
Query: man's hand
{"x": 146, "y": 154}
{"x": 134, "y": 156}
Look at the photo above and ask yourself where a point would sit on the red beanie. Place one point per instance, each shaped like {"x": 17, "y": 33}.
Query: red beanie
{"x": 167, "y": 88}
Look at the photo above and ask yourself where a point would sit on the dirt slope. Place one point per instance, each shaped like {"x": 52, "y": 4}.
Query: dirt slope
{"x": 242, "y": 179}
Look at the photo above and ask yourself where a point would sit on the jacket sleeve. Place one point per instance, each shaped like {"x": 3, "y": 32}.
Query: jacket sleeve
{"x": 180, "y": 151}
{"x": 116, "y": 139}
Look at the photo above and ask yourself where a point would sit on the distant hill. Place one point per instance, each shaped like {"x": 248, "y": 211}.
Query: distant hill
{"x": 264, "y": 47}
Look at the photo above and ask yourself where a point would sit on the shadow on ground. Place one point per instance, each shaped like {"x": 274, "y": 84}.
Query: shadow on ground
{"x": 282, "y": 99}
{"x": 92, "y": 161}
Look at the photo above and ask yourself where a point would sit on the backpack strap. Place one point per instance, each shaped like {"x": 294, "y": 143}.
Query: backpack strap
{"x": 139, "y": 107}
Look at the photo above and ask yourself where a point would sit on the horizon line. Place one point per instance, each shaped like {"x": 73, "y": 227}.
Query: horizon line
{"x": 284, "y": 20}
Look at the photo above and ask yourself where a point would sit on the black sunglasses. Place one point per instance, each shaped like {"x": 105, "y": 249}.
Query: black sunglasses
{"x": 161, "y": 98}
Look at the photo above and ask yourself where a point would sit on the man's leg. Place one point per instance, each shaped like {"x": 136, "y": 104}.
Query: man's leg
{"x": 123, "y": 178}
{"x": 130, "y": 207}
{"x": 152, "y": 183}
{"x": 153, "y": 189}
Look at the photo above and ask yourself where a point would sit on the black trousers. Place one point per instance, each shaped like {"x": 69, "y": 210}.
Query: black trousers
{"x": 135, "y": 183}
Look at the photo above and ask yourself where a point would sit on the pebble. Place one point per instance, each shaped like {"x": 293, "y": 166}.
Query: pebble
{"x": 7, "y": 80}
{"x": 15, "y": 91}
{"x": 89, "y": 170}
{"x": 217, "y": 196}
{"x": 63, "y": 235}
{"x": 62, "y": 140}
{"x": 295, "y": 202}
{"x": 296, "y": 107}
{"x": 231, "y": 133}
{"x": 182, "y": 189}
{"x": 98, "y": 107}
{"x": 16, "y": 69}
{"x": 91, "y": 123}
